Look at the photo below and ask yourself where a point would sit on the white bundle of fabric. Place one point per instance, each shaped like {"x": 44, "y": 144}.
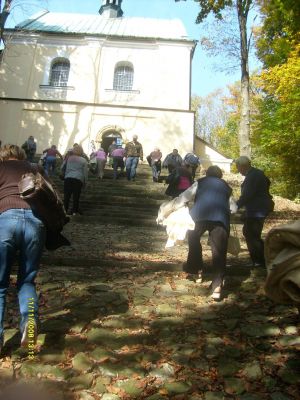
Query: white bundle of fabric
{"x": 174, "y": 214}
{"x": 282, "y": 255}
{"x": 178, "y": 223}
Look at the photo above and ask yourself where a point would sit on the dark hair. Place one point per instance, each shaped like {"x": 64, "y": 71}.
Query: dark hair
{"x": 215, "y": 171}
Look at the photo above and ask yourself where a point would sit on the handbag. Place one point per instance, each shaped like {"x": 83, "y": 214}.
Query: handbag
{"x": 233, "y": 246}
{"x": 44, "y": 201}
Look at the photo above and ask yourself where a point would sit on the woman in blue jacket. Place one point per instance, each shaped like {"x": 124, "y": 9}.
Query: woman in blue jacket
{"x": 211, "y": 212}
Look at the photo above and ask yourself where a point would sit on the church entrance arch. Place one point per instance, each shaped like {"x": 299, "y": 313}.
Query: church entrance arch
{"x": 108, "y": 134}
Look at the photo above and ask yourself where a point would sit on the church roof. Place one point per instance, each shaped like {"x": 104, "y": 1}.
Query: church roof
{"x": 67, "y": 23}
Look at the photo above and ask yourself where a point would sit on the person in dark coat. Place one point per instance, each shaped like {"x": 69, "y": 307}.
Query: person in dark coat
{"x": 179, "y": 180}
{"x": 258, "y": 203}
{"x": 172, "y": 161}
{"x": 210, "y": 213}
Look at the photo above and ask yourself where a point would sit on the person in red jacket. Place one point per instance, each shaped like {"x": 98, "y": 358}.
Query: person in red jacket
{"x": 50, "y": 159}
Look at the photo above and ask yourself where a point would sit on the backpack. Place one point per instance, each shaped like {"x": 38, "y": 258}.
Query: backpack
{"x": 191, "y": 159}
{"x": 44, "y": 201}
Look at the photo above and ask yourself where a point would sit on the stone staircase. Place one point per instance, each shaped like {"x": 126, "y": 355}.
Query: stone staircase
{"x": 120, "y": 321}
{"x": 113, "y": 210}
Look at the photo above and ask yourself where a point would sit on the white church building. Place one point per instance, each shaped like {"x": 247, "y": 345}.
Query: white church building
{"x": 73, "y": 78}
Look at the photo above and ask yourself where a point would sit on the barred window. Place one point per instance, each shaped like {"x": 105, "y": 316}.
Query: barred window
{"x": 123, "y": 77}
{"x": 59, "y": 73}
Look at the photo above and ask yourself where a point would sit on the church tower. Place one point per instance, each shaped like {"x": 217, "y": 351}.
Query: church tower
{"x": 111, "y": 9}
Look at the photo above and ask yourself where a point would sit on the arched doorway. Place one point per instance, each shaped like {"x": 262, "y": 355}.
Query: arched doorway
{"x": 107, "y": 135}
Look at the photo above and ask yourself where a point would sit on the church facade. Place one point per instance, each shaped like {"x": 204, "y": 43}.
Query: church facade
{"x": 67, "y": 78}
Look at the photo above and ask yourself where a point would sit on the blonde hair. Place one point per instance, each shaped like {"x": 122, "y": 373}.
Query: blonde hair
{"x": 12, "y": 151}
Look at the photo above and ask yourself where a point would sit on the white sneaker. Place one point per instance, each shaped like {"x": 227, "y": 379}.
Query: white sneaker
{"x": 199, "y": 279}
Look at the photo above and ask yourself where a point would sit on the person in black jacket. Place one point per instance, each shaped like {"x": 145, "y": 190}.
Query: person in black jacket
{"x": 258, "y": 203}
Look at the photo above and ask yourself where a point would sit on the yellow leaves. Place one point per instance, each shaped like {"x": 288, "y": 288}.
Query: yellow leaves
{"x": 283, "y": 81}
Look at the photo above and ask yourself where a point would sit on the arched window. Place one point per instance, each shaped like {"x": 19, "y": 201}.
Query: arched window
{"x": 123, "y": 77}
{"x": 59, "y": 73}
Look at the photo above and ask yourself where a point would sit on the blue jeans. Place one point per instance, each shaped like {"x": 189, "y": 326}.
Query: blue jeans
{"x": 131, "y": 164}
{"x": 20, "y": 231}
{"x": 50, "y": 165}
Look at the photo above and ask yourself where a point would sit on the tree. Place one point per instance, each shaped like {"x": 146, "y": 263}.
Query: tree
{"x": 280, "y": 30}
{"x": 217, "y": 119}
{"x": 4, "y": 13}
{"x": 277, "y": 127}
{"x": 6, "y": 8}
{"x": 242, "y": 8}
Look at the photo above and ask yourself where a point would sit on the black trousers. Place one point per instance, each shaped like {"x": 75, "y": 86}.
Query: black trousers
{"x": 252, "y": 231}
{"x": 218, "y": 239}
{"x": 72, "y": 187}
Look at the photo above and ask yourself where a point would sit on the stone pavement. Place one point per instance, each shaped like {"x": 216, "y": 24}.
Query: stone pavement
{"x": 119, "y": 321}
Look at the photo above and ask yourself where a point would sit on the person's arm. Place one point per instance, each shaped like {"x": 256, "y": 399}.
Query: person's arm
{"x": 188, "y": 195}
{"x": 176, "y": 203}
{"x": 249, "y": 190}
{"x": 141, "y": 153}
{"x": 126, "y": 150}
{"x": 165, "y": 162}
{"x": 85, "y": 172}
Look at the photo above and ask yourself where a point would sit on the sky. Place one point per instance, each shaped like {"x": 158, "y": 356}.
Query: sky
{"x": 205, "y": 78}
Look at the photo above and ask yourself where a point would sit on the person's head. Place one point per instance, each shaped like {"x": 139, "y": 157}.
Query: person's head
{"x": 53, "y": 147}
{"x": 77, "y": 150}
{"x": 31, "y": 138}
{"x": 12, "y": 152}
{"x": 187, "y": 166}
{"x": 175, "y": 152}
{"x": 135, "y": 138}
{"x": 243, "y": 164}
{"x": 214, "y": 171}
{"x": 156, "y": 149}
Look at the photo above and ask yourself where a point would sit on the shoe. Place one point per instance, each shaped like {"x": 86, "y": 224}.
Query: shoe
{"x": 194, "y": 277}
{"x": 217, "y": 293}
{"x": 29, "y": 336}
{"x": 199, "y": 278}
{"x": 258, "y": 265}
{"x": 191, "y": 277}
{"x": 255, "y": 265}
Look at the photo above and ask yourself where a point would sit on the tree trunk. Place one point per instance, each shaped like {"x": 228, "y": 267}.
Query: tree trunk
{"x": 4, "y": 13}
{"x": 244, "y": 129}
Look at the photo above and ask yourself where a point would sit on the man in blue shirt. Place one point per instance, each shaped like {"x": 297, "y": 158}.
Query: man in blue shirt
{"x": 258, "y": 203}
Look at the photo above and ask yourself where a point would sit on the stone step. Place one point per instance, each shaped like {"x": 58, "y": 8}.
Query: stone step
{"x": 137, "y": 220}
{"x": 65, "y": 262}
